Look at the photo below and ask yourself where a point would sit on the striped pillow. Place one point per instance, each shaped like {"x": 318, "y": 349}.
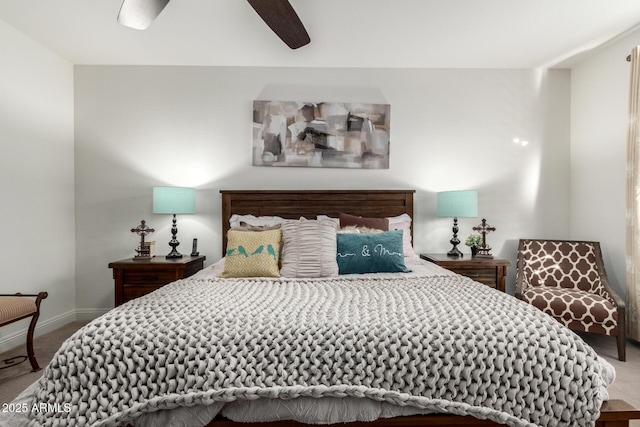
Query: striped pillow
{"x": 309, "y": 249}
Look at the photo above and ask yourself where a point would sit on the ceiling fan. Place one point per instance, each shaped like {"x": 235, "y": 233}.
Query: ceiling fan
{"x": 279, "y": 15}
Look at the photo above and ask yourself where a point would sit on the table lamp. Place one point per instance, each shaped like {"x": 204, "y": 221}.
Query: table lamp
{"x": 173, "y": 201}
{"x": 457, "y": 204}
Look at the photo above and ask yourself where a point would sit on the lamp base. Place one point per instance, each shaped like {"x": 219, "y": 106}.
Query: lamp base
{"x": 175, "y": 255}
{"x": 174, "y": 241}
{"x": 455, "y": 252}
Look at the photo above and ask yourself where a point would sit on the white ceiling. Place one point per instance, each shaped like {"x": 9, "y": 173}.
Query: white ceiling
{"x": 344, "y": 33}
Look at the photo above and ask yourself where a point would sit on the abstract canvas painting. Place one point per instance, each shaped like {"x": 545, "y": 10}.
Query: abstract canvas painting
{"x": 321, "y": 134}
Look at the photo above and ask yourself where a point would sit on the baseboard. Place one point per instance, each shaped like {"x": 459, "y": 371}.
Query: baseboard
{"x": 19, "y": 337}
{"x": 90, "y": 313}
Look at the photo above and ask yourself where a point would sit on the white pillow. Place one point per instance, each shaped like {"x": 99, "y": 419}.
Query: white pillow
{"x": 400, "y": 222}
{"x": 403, "y": 222}
{"x": 256, "y": 221}
{"x": 334, "y": 221}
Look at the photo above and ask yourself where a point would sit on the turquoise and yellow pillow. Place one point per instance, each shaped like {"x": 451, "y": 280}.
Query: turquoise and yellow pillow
{"x": 252, "y": 253}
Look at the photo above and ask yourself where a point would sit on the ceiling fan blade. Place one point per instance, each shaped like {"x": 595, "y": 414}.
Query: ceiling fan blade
{"x": 283, "y": 20}
{"x": 139, "y": 14}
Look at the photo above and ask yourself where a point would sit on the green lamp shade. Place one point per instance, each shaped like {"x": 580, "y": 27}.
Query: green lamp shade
{"x": 174, "y": 200}
{"x": 457, "y": 204}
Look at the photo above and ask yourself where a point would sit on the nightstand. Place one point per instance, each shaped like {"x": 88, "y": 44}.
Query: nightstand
{"x": 490, "y": 271}
{"x": 134, "y": 278}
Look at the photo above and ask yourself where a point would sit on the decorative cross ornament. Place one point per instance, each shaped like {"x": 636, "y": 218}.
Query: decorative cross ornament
{"x": 143, "y": 251}
{"x": 484, "y": 250}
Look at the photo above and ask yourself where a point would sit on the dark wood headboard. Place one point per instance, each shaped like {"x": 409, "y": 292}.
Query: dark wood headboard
{"x": 292, "y": 204}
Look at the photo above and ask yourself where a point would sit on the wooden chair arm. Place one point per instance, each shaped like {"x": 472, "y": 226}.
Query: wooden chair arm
{"x": 616, "y": 298}
{"x": 602, "y": 272}
{"x": 521, "y": 284}
{"x": 19, "y": 294}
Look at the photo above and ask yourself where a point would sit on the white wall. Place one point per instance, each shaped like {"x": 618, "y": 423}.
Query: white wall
{"x": 36, "y": 169}
{"x": 138, "y": 127}
{"x": 599, "y": 111}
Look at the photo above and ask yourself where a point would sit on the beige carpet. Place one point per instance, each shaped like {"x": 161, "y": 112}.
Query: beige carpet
{"x": 15, "y": 379}
{"x": 626, "y": 385}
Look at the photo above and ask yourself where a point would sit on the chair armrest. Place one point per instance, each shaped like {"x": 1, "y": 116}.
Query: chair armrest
{"x": 19, "y": 294}
{"x": 521, "y": 282}
{"x": 622, "y": 315}
{"x": 520, "y": 285}
{"x": 602, "y": 272}
{"x": 607, "y": 287}
{"x": 40, "y": 297}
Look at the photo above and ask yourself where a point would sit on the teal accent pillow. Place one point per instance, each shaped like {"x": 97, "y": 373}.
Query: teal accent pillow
{"x": 370, "y": 253}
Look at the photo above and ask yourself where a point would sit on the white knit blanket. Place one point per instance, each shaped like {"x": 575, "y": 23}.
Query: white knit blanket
{"x": 444, "y": 343}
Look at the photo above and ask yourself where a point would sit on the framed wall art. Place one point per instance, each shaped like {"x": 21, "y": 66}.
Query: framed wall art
{"x": 321, "y": 134}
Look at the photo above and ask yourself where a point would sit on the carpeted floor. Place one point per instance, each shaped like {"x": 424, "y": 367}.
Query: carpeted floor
{"x": 15, "y": 379}
{"x": 627, "y": 383}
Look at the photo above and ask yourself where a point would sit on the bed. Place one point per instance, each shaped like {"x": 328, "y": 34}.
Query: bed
{"x": 205, "y": 346}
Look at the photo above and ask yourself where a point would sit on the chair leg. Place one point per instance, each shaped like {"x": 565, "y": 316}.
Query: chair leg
{"x": 30, "y": 352}
{"x": 622, "y": 356}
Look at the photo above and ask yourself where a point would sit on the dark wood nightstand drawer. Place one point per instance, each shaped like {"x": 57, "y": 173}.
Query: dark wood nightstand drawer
{"x": 192, "y": 268}
{"x": 130, "y": 292}
{"x": 482, "y": 275}
{"x": 489, "y": 271}
{"x": 151, "y": 277}
{"x": 135, "y": 278}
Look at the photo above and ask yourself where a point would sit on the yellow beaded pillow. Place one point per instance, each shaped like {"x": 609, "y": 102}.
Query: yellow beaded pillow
{"x": 252, "y": 253}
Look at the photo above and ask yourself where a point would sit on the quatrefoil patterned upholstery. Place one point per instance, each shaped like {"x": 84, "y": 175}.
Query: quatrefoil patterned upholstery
{"x": 563, "y": 279}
